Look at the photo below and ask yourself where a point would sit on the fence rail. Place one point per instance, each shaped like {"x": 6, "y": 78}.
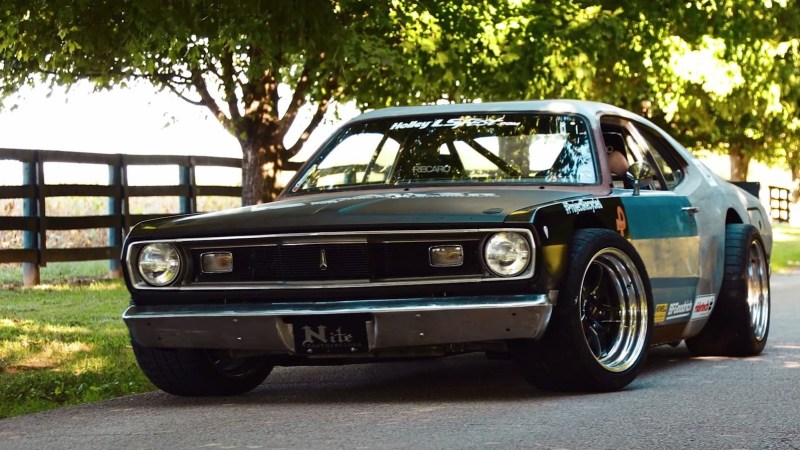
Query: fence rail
{"x": 35, "y": 223}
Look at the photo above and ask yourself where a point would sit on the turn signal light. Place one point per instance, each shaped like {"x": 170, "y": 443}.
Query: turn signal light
{"x": 446, "y": 256}
{"x": 217, "y": 262}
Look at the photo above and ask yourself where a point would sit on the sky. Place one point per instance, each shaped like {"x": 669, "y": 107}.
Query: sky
{"x": 134, "y": 120}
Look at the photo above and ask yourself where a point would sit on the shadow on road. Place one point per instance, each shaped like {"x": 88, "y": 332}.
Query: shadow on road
{"x": 666, "y": 357}
{"x": 465, "y": 378}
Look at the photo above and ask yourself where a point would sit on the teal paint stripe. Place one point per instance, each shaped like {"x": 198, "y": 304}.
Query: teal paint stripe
{"x": 668, "y": 295}
{"x": 658, "y": 216}
{"x": 673, "y": 283}
{"x": 673, "y": 290}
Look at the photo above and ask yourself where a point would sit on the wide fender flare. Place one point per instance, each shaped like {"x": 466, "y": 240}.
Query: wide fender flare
{"x": 554, "y": 226}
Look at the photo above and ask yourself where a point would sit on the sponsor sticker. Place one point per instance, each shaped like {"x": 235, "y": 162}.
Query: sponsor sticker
{"x": 702, "y": 307}
{"x": 679, "y": 310}
{"x": 661, "y": 312}
{"x": 276, "y": 205}
{"x": 706, "y": 173}
{"x": 418, "y": 169}
{"x": 622, "y": 222}
{"x": 671, "y": 311}
{"x": 458, "y": 122}
{"x": 403, "y": 196}
{"x": 406, "y": 196}
{"x": 412, "y": 124}
{"x": 582, "y": 205}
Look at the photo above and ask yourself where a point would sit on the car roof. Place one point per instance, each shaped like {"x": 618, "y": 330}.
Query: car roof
{"x": 585, "y": 108}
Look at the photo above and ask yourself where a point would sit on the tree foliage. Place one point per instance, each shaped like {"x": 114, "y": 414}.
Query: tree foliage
{"x": 721, "y": 73}
{"x": 230, "y": 57}
{"x": 723, "y": 79}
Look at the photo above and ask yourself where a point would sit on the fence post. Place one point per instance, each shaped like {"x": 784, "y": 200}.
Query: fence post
{"x": 30, "y": 208}
{"x": 126, "y": 201}
{"x": 115, "y": 209}
{"x": 187, "y": 178}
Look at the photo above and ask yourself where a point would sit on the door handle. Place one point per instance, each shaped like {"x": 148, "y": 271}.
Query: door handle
{"x": 691, "y": 209}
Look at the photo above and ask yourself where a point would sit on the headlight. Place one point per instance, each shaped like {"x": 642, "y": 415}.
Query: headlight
{"x": 507, "y": 254}
{"x": 159, "y": 264}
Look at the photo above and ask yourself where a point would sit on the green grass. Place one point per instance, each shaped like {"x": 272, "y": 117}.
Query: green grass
{"x": 785, "y": 249}
{"x": 64, "y": 344}
{"x": 57, "y": 272}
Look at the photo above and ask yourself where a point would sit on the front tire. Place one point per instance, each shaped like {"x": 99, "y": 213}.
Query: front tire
{"x": 739, "y": 322}
{"x": 197, "y": 372}
{"x": 600, "y": 330}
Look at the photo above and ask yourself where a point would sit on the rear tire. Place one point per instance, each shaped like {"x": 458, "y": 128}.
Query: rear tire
{"x": 739, "y": 322}
{"x": 599, "y": 333}
{"x": 196, "y": 372}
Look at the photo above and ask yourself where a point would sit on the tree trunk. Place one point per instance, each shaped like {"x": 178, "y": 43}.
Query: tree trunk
{"x": 272, "y": 161}
{"x": 252, "y": 186}
{"x": 261, "y": 166}
{"x": 740, "y": 162}
{"x": 794, "y": 167}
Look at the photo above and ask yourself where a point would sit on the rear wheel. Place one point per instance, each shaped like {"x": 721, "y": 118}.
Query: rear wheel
{"x": 600, "y": 330}
{"x": 196, "y": 372}
{"x": 739, "y": 322}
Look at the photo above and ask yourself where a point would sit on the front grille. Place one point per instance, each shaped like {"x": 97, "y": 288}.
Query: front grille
{"x": 275, "y": 263}
{"x": 306, "y": 262}
{"x": 373, "y": 260}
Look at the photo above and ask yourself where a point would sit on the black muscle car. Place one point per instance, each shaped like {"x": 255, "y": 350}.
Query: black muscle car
{"x": 570, "y": 236}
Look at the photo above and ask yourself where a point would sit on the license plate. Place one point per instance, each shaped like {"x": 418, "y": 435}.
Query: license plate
{"x": 330, "y": 335}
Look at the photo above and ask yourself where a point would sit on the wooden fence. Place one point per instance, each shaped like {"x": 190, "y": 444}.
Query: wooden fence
{"x": 35, "y": 223}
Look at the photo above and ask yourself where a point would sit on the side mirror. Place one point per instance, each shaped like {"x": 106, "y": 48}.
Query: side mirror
{"x": 639, "y": 171}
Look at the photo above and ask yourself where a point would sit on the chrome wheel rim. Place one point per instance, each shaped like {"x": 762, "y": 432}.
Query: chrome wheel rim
{"x": 613, "y": 310}
{"x": 758, "y": 290}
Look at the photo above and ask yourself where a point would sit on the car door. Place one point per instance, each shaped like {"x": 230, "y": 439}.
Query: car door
{"x": 662, "y": 225}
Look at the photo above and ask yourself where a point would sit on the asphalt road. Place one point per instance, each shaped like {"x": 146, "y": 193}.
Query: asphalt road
{"x": 463, "y": 402}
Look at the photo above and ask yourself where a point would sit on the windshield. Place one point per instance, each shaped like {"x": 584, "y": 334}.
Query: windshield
{"x": 474, "y": 149}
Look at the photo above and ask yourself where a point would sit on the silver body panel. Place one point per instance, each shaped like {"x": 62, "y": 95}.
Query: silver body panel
{"x": 713, "y": 197}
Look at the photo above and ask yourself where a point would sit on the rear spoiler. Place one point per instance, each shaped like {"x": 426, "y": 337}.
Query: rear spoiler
{"x": 751, "y": 187}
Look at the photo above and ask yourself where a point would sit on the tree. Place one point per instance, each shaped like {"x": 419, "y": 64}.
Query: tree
{"x": 719, "y": 75}
{"x": 234, "y": 57}
{"x": 230, "y": 57}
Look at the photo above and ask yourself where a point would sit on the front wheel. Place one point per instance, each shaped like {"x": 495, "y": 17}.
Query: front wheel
{"x": 197, "y": 372}
{"x": 600, "y": 330}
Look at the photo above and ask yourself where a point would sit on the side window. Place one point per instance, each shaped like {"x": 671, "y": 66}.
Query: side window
{"x": 625, "y": 144}
{"x": 670, "y": 165}
{"x": 620, "y": 155}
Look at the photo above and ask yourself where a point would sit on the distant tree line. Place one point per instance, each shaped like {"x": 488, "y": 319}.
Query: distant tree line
{"x": 719, "y": 74}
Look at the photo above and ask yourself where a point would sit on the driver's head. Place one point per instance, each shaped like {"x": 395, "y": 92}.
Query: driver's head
{"x": 617, "y": 163}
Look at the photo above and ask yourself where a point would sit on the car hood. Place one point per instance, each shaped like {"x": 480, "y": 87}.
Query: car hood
{"x": 358, "y": 211}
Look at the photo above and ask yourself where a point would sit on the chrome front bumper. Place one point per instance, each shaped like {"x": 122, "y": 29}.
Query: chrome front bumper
{"x": 390, "y": 323}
